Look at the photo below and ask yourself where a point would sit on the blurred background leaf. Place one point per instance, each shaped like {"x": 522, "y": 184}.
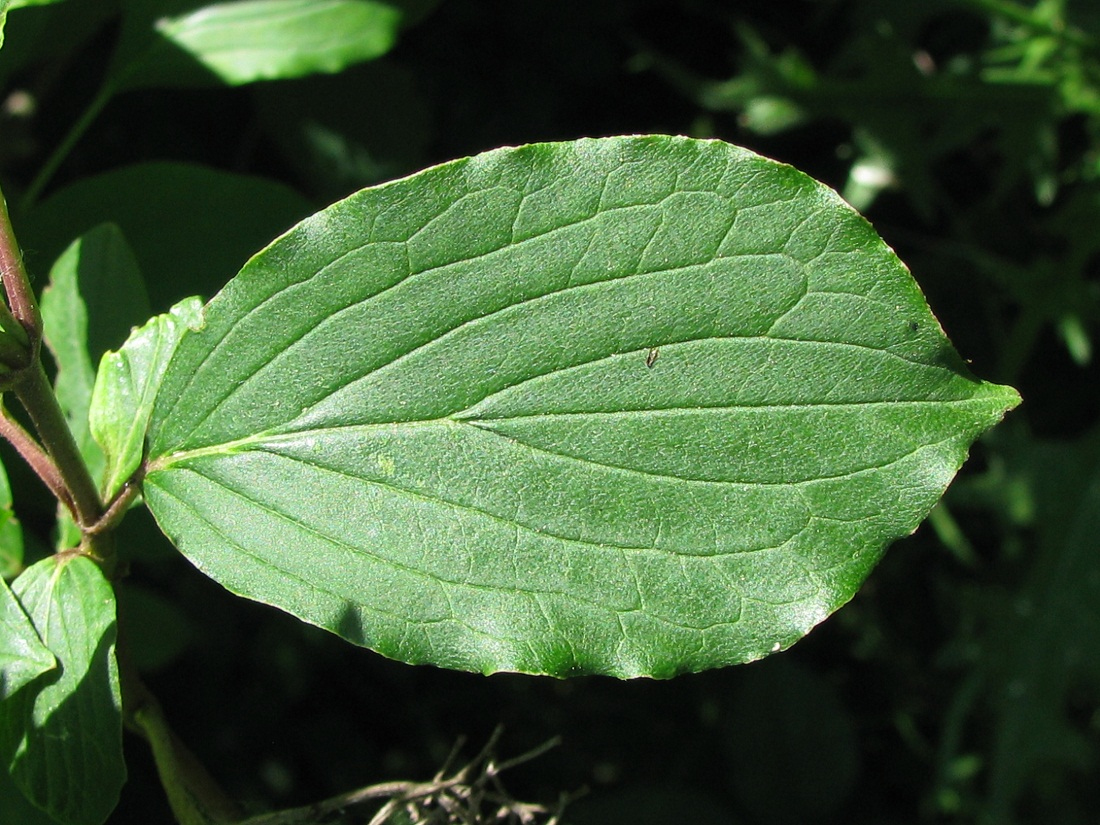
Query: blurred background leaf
{"x": 190, "y": 227}
{"x": 94, "y": 296}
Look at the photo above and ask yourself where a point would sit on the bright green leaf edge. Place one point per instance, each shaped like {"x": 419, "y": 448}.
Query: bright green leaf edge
{"x": 125, "y": 386}
{"x": 249, "y": 40}
{"x": 5, "y": 7}
{"x": 11, "y": 5}
{"x": 632, "y": 406}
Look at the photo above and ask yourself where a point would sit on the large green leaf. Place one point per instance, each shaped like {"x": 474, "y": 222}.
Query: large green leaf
{"x": 61, "y": 739}
{"x": 186, "y": 43}
{"x": 632, "y": 406}
{"x": 14, "y": 807}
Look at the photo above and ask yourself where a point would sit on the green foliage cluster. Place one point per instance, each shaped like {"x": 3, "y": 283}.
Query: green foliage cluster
{"x": 624, "y": 406}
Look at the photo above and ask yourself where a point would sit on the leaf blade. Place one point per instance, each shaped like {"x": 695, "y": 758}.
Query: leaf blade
{"x": 62, "y": 740}
{"x": 125, "y": 386}
{"x": 438, "y": 393}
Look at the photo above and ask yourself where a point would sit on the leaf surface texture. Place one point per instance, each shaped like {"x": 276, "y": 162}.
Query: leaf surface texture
{"x": 632, "y": 406}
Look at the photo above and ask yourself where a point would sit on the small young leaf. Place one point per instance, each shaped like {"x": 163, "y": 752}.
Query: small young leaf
{"x": 61, "y": 739}
{"x": 11, "y": 534}
{"x": 22, "y": 654}
{"x": 428, "y": 418}
{"x": 126, "y": 385}
{"x": 244, "y": 41}
{"x": 94, "y": 297}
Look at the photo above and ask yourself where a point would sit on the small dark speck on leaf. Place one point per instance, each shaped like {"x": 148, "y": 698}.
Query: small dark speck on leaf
{"x": 913, "y": 326}
{"x": 651, "y": 357}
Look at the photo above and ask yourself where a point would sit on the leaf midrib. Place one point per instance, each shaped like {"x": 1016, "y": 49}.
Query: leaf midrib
{"x": 274, "y": 438}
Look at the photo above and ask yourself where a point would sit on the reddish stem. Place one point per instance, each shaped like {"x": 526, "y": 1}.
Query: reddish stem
{"x": 36, "y": 457}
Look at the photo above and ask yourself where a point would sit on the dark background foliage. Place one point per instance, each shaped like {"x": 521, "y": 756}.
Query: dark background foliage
{"x": 960, "y": 684}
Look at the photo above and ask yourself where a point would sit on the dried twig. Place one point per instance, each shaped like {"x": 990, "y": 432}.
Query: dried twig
{"x": 471, "y": 795}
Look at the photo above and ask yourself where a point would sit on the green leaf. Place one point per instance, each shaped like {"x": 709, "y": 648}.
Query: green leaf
{"x": 244, "y": 41}
{"x": 126, "y": 385}
{"x": 22, "y": 654}
{"x": 11, "y": 534}
{"x": 62, "y": 739}
{"x": 217, "y": 220}
{"x": 96, "y": 294}
{"x": 94, "y": 297}
{"x": 633, "y": 406}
